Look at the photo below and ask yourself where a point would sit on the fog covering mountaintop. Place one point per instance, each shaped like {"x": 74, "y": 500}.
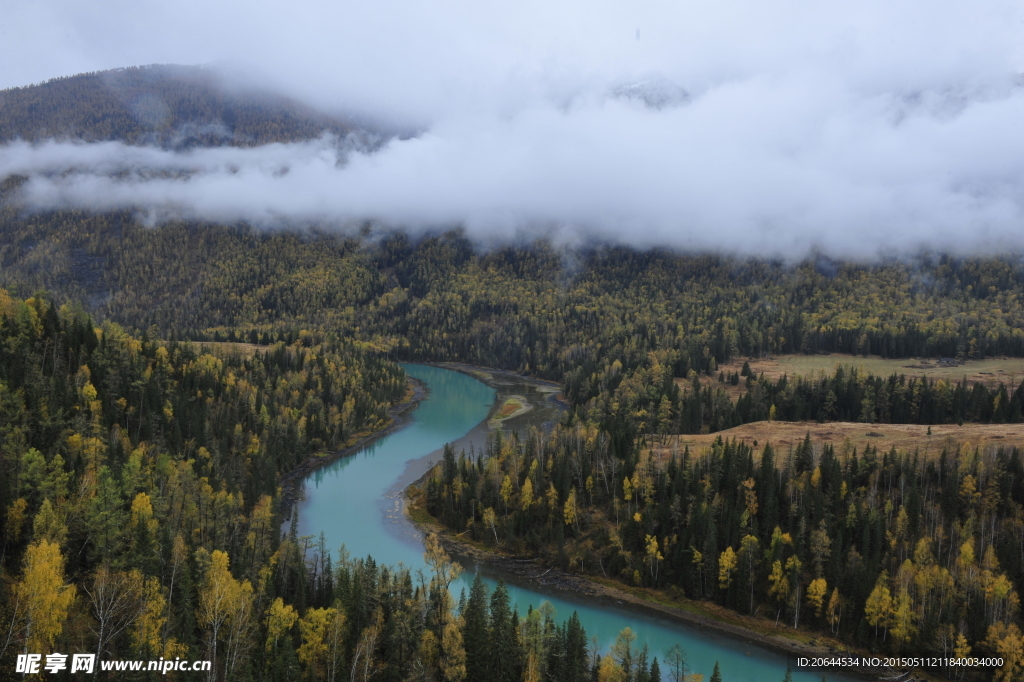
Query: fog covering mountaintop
{"x": 858, "y": 131}
{"x": 427, "y": 294}
{"x": 165, "y": 105}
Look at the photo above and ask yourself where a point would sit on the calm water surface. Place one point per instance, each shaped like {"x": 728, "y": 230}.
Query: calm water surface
{"x": 357, "y": 501}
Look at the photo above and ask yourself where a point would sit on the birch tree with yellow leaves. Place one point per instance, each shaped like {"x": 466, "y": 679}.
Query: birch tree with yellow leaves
{"x": 42, "y": 598}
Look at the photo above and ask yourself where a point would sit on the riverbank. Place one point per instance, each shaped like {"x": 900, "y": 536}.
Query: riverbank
{"x": 697, "y": 614}
{"x": 398, "y": 414}
{"x": 494, "y": 378}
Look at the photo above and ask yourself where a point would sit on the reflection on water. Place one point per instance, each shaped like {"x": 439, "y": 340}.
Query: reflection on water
{"x": 357, "y": 502}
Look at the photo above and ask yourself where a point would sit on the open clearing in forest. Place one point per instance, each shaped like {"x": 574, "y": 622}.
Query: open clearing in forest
{"x": 906, "y": 437}
{"x": 990, "y": 371}
{"x": 225, "y": 348}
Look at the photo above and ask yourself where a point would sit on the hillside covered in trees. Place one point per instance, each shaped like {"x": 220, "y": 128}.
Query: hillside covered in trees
{"x": 165, "y": 105}
{"x": 141, "y": 519}
{"x": 131, "y": 468}
{"x": 893, "y": 551}
{"x": 615, "y": 326}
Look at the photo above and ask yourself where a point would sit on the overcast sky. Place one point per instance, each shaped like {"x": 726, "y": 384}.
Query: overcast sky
{"x": 855, "y": 128}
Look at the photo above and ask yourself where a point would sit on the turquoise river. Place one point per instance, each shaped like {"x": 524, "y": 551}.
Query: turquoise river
{"x": 357, "y": 502}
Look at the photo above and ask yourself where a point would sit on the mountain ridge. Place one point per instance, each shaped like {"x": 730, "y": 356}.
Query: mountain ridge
{"x": 166, "y": 105}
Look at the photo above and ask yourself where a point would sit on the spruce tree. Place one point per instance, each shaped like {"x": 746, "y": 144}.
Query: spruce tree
{"x": 642, "y": 671}
{"x": 575, "y": 650}
{"x": 503, "y": 640}
{"x": 474, "y": 631}
{"x": 558, "y": 667}
{"x": 655, "y": 674}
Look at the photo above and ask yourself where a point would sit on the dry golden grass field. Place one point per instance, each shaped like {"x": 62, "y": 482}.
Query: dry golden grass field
{"x": 906, "y": 437}
{"x": 224, "y": 348}
{"x": 990, "y": 371}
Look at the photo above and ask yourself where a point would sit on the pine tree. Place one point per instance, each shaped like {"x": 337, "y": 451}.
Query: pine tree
{"x": 655, "y": 674}
{"x": 503, "y": 640}
{"x": 474, "y": 632}
{"x": 575, "y": 649}
{"x": 642, "y": 669}
{"x": 716, "y": 674}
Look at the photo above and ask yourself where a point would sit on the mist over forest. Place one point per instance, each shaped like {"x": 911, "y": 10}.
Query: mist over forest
{"x": 763, "y": 264}
{"x": 860, "y": 133}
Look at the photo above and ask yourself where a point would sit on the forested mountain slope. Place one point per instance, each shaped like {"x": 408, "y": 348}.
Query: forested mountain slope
{"x": 166, "y": 105}
{"x": 614, "y": 325}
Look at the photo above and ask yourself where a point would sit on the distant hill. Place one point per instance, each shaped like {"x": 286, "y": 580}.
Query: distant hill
{"x": 167, "y": 105}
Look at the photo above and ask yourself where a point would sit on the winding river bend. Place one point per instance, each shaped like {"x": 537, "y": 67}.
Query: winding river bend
{"x": 357, "y": 501}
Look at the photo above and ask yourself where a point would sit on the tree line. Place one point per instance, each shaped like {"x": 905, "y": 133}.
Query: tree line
{"x": 658, "y": 404}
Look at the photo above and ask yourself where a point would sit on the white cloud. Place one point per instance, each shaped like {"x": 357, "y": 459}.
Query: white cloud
{"x": 853, "y": 128}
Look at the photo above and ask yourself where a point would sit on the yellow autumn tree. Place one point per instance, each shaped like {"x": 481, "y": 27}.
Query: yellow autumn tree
{"x": 322, "y": 632}
{"x": 1008, "y": 642}
{"x": 793, "y": 568}
{"x": 225, "y": 609}
{"x": 116, "y": 600}
{"x": 49, "y": 525}
{"x": 526, "y": 495}
{"x": 42, "y": 597}
{"x": 750, "y": 554}
{"x": 610, "y": 671}
{"x": 654, "y": 556}
{"x": 816, "y": 592}
{"x": 364, "y": 661}
{"x": 315, "y": 628}
{"x": 903, "y": 619}
{"x": 453, "y": 651}
{"x": 150, "y": 624}
{"x": 506, "y": 491}
{"x": 835, "y": 610}
{"x": 570, "y": 511}
{"x": 15, "y": 520}
{"x": 281, "y": 618}
{"x": 491, "y": 521}
{"x": 259, "y": 541}
{"x": 778, "y": 587}
{"x": 142, "y": 513}
{"x": 878, "y": 607}
{"x": 429, "y": 650}
{"x": 726, "y": 565}
{"x": 627, "y": 492}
